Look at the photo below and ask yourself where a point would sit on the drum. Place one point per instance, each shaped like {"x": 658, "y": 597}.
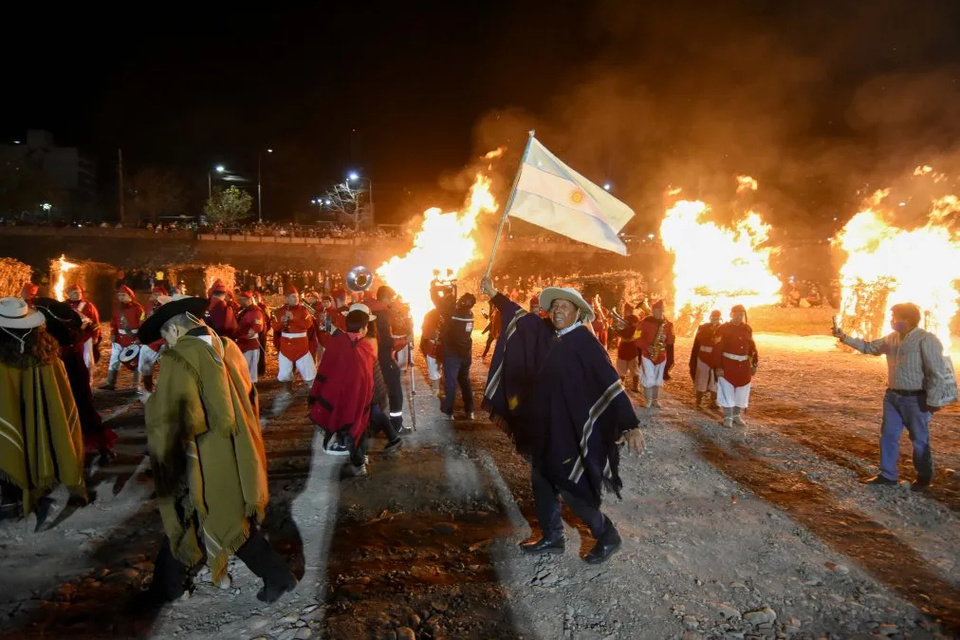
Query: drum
{"x": 130, "y": 356}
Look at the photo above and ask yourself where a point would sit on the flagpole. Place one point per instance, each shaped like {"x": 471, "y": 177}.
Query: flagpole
{"x": 506, "y": 209}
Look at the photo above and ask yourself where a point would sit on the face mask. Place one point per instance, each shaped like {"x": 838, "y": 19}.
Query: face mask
{"x": 900, "y": 326}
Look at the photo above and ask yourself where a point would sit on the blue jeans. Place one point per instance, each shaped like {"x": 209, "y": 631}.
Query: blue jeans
{"x": 898, "y": 412}
{"x": 456, "y": 370}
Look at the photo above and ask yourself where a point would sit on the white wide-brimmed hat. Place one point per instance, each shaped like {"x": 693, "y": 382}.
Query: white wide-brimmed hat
{"x": 15, "y": 313}
{"x": 571, "y": 295}
{"x": 357, "y": 306}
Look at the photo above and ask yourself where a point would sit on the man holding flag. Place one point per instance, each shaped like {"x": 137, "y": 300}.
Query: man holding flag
{"x": 551, "y": 382}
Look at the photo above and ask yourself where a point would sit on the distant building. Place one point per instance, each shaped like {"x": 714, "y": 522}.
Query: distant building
{"x": 65, "y": 170}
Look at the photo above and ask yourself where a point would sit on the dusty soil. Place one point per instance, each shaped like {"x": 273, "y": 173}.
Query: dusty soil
{"x": 759, "y": 532}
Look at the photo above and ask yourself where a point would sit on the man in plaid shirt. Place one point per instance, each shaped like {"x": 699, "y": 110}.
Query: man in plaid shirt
{"x": 920, "y": 382}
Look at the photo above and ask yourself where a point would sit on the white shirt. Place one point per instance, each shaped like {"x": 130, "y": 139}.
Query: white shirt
{"x": 567, "y": 330}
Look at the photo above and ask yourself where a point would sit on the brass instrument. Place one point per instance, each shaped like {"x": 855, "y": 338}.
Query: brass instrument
{"x": 359, "y": 279}
{"x": 618, "y": 322}
{"x": 658, "y": 341}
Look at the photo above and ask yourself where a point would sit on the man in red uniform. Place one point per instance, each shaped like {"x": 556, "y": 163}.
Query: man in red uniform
{"x": 293, "y": 327}
{"x": 656, "y": 332}
{"x": 703, "y": 361}
{"x": 90, "y": 329}
{"x": 599, "y": 321}
{"x": 627, "y": 351}
{"x": 262, "y": 363}
{"x": 127, "y": 317}
{"x": 220, "y": 315}
{"x": 251, "y": 323}
{"x": 733, "y": 342}
{"x": 150, "y": 353}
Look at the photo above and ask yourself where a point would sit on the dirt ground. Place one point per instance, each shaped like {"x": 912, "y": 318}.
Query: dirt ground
{"x": 757, "y": 532}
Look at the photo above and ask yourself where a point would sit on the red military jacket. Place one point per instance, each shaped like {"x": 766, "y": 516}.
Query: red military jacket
{"x": 221, "y": 318}
{"x": 87, "y": 310}
{"x": 250, "y": 319}
{"x": 648, "y": 335}
{"x": 737, "y": 352}
{"x": 703, "y": 347}
{"x": 297, "y": 337}
{"x": 627, "y": 350}
{"x": 126, "y": 335}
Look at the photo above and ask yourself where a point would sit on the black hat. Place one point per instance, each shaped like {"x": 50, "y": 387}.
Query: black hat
{"x": 150, "y": 329}
{"x": 63, "y": 323}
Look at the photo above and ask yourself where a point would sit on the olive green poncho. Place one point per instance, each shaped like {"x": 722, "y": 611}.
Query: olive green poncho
{"x": 40, "y": 440}
{"x": 203, "y": 433}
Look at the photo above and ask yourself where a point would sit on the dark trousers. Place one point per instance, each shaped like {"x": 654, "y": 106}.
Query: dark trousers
{"x": 169, "y": 573}
{"x": 391, "y": 377}
{"x": 490, "y": 339}
{"x": 545, "y": 498}
{"x": 456, "y": 370}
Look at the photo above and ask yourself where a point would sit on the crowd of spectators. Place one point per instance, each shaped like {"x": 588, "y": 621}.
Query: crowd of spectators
{"x": 807, "y": 293}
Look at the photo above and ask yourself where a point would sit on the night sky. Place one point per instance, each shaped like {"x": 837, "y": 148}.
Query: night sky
{"x": 816, "y": 100}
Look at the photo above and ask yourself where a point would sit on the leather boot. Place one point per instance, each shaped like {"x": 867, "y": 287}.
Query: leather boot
{"x": 607, "y": 544}
{"x": 648, "y": 394}
{"x": 269, "y": 565}
{"x": 111, "y": 383}
{"x": 636, "y": 385}
{"x": 544, "y": 545}
{"x": 699, "y": 399}
{"x": 737, "y": 419}
{"x": 728, "y": 417}
{"x": 713, "y": 400}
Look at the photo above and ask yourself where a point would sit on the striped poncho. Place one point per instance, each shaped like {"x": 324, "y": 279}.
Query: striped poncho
{"x": 561, "y": 401}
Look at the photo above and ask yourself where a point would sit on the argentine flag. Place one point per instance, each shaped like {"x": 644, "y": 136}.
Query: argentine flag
{"x": 551, "y": 195}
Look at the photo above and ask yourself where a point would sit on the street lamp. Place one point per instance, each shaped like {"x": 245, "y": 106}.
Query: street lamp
{"x": 259, "y": 188}
{"x": 219, "y": 169}
{"x": 319, "y": 203}
{"x": 353, "y": 176}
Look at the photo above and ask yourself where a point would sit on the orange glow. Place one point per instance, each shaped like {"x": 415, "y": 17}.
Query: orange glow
{"x": 496, "y": 153}
{"x": 444, "y": 242}
{"x": 887, "y": 265}
{"x": 716, "y": 267}
{"x": 63, "y": 266}
{"x": 746, "y": 183}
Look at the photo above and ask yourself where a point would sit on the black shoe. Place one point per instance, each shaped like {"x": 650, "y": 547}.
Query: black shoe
{"x": 351, "y": 470}
{"x": 921, "y": 483}
{"x": 544, "y": 545}
{"x": 605, "y": 548}
{"x": 271, "y": 592}
{"x": 394, "y": 445}
{"x": 881, "y": 480}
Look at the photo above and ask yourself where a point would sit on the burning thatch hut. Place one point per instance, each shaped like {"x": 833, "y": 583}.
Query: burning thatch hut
{"x": 13, "y": 274}
{"x": 97, "y": 279}
{"x": 198, "y": 278}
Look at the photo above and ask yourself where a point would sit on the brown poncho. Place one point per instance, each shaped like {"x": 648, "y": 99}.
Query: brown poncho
{"x": 203, "y": 433}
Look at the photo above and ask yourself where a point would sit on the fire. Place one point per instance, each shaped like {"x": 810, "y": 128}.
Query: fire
{"x": 445, "y": 242}
{"x": 746, "y": 183}
{"x": 887, "y": 265}
{"x": 716, "y": 267}
{"x": 496, "y": 153}
{"x": 63, "y": 266}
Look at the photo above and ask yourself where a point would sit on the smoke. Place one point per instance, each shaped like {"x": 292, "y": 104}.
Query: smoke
{"x": 817, "y": 103}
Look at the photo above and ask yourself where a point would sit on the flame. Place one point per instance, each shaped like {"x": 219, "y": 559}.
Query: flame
{"x": 887, "y": 265}
{"x": 716, "y": 267}
{"x": 496, "y": 153}
{"x": 63, "y": 266}
{"x": 444, "y": 243}
{"x": 746, "y": 183}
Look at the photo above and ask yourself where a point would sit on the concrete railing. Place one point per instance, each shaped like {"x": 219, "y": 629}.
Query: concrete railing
{"x": 224, "y": 237}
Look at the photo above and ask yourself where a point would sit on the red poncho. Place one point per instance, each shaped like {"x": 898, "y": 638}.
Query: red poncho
{"x": 343, "y": 390}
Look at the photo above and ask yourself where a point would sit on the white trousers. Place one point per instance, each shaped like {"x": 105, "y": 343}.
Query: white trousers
{"x": 305, "y": 366}
{"x": 651, "y": 375}
{"x": 253, "y": 360}
{"x": 88, "y": 355}
{"x": 433, "y": 368}
{"x": 729, "y": 396}
{"x": 705, "y": 379}
{"x": 628, "y": 366}
{"x": 148, "y": 360}
{"x": 402, "y": 357}
{"x": 115, "y": 350}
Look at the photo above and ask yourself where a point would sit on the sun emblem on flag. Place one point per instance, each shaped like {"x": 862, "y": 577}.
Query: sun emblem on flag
{"x": 577, "y": 196}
